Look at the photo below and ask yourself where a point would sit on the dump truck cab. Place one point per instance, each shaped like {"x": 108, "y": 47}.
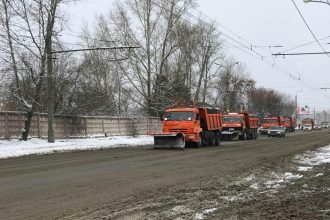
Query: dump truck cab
{"x": 270, "y": 121}
{"x": 239, "y": 125}
{"x": 183, "y": 120}
{"x": 308, "y": 122}
{"x": 233, "y": 124}
{"x": 288, "y": 123}
{"x": 233, "y": 121}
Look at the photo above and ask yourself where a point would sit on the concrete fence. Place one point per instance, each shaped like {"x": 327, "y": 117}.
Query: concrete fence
{"x": 11, "y": 124}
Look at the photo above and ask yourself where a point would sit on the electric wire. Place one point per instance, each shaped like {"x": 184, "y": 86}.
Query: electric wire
{"x": 305, "y": 44}
{"x": 285, "y": 70}
{"x": 255, "y": 55}
{"x": 309, "y": 28}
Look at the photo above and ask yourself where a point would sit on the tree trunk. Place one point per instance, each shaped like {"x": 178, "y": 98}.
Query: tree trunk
{"x": 27, "y": 125}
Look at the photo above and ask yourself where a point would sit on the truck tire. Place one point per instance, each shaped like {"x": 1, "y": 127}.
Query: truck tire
{"x": 244, "y": 137}
{"x": 200, "y": 141}
{"x": 249, "y": 136}
{"x": 256, "y": 134}
{"x": 212, "y": 139}
{"x": 217, "y": 139}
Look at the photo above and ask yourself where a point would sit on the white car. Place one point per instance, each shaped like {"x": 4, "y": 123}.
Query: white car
{"x": 325, "y": 125}
{"x": 276, "y": 131}
{"x": 318, "y": 127}
{"x": 307, "y": 128}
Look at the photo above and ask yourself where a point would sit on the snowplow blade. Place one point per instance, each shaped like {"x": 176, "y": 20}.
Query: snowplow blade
{"x": 169, "y": 141}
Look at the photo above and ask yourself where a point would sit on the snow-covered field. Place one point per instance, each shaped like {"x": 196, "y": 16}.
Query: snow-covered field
{"x": 16, "y": 148}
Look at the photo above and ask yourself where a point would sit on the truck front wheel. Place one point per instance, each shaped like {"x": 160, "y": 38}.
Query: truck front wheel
{"x": 199, "y": 141}
{"x": 244, "y": 136}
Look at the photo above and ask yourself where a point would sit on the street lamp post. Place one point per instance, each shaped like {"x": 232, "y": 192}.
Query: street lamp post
{"x": 296, "y": 106}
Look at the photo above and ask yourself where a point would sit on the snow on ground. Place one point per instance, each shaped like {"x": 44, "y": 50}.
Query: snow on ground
{"x": 314, "y": 158}
{"x": 201, "y": 216}
{"x": 270, "y": 182}
{"x": 306, "y": 162}
{"x": 16, "y": 148}
{"x": 304, "y": 168}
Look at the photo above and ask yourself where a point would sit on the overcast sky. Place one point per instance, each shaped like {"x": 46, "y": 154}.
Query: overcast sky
{"x": 261, "y": 23}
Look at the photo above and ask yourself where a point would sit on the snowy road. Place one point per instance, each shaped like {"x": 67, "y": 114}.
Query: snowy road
{"x": 141, "y": 183}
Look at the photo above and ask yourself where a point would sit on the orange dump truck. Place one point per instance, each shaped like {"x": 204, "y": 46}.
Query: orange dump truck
{"x": 239, "y": 125}
{"x": 309, "y": 122}
{"x": 269, "y": 121}
{"x": 196, "y": 125}
{"x": 289, "y": 123}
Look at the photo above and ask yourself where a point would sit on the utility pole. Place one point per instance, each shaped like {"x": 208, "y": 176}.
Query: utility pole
{"x": 50, "y": 74}
{"x": 227, "y": 101}
{"x": 296, "y": 107}
{"x": 227, "y": 92}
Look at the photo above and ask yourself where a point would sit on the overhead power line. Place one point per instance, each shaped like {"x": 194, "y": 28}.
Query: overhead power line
{"x": 273, "y": 64}
{"x": 88, "y": 38}
{"x": 305, "y": 44}
{"x": 243, "y": 45}
{"x": 248, "y": 49}
{"x": 302, "y": 53}
{"x": 310, "y": 30}
{"x": 93, "y": 49}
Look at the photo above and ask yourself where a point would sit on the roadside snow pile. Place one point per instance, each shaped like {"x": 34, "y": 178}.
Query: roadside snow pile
{"x": 16, "y": 148}
{"x": 306, "y": 162}
{"x": 271, "y": 181}
{"x": 304, "y": 168}
{"x": 203, "y": 215}
{"x": 313, "y": 158}
{"x": 282, "y": 179}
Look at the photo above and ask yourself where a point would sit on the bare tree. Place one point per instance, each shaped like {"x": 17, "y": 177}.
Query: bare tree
{"x": 155, "y": 31}
{"x": 176, "y": 56}
{"x": 233, "y": 86}
{"x": 271, "y": 102}
{"x": 29, "y": 28}
{"x": 206, "y": 52}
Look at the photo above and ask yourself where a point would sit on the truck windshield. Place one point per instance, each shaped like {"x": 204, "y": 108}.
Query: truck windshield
{"x": 179, "y": 116}
{"x": 232, "y": 119}
{"x": 270, "y": 120}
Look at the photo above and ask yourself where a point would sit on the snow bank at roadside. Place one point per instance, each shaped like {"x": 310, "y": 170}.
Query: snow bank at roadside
{"x": 16, "y": 148}
{"x": 314, "y": 158}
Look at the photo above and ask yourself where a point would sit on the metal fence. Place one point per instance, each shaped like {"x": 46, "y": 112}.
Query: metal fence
{"x": 11, "y": 124}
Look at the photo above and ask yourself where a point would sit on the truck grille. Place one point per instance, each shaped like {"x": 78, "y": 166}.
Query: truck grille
{"x": 178, "y": 130}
